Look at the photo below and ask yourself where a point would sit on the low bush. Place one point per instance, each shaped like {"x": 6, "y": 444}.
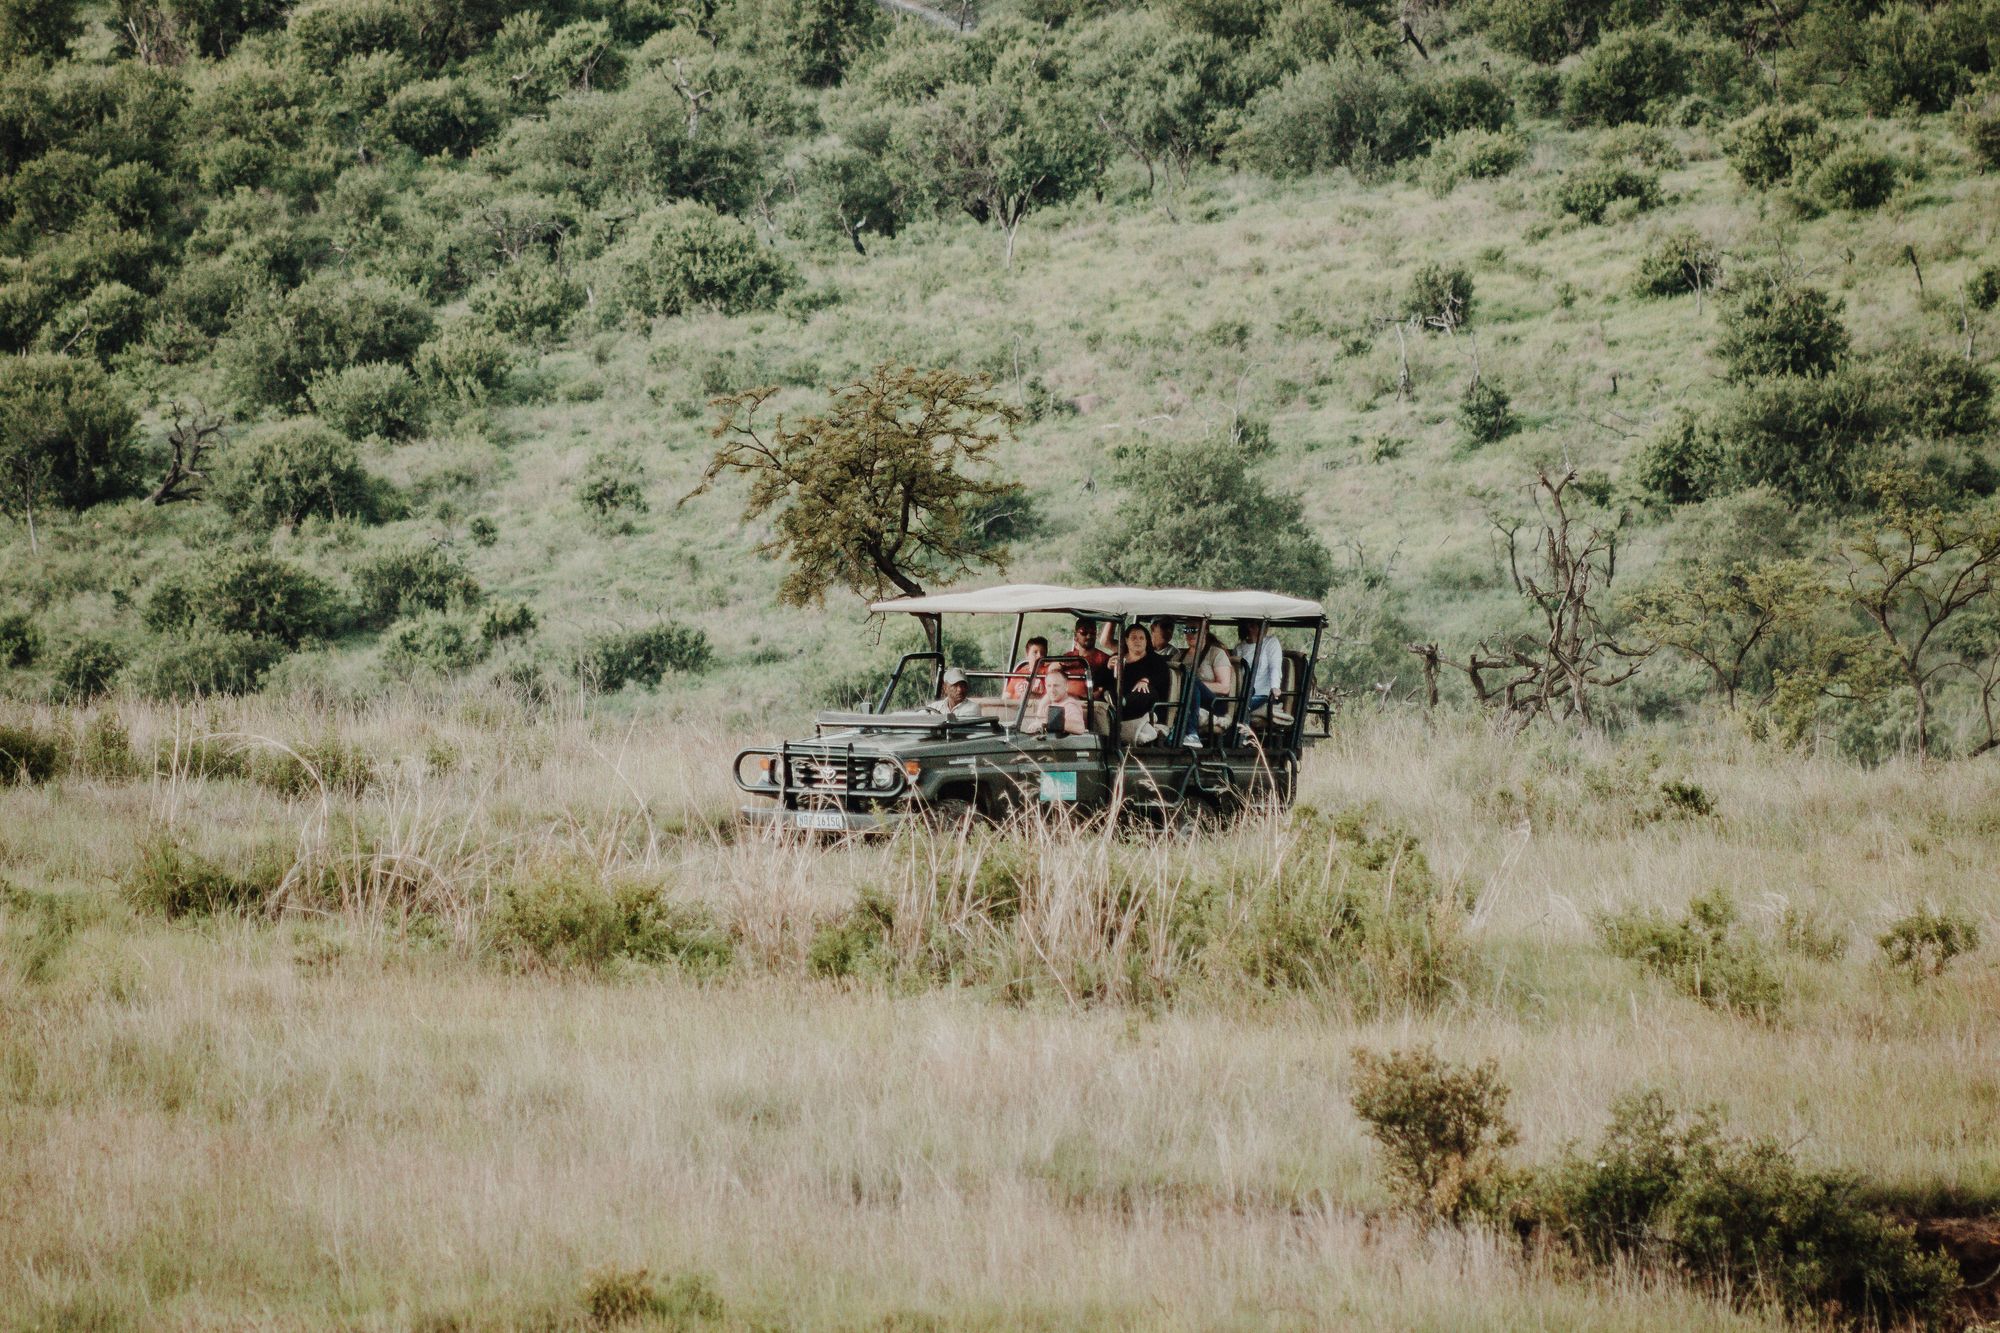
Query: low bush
{"x": 331, "y": 31}
{"x": 1440, "y": 295}
{"x": 1741, "y": 1215}
{"x": 407, "y": 580}
{"x": 1640, "y": 144}
{"x": 105, "y": 750}
{"x": 276, "y": 345}
{"x": 1704, "y": 953}
{"x": 1853, "y": 176}
{"x": 1633, "y": 74}
{"x": 613, "y": 1297}
{"x": 173, "y": 881}
{"x": 377, "y": 400}
{"x": 1775, "y": 324}
{"x": 85, "y": 668}
{"x": 29, "y": 755}
{"x": 644, "y": 656}
{"x": 1769, "y": 146}
{"x": 1978, "y": 117}
{"x": 1351, "y": 111}
{"x": 687, "y": 255}
{"x": 1812, "y": 439}
{"x": 1923, "y": 942}
{"x": 1486, "y": 413}
{"x": 1809, "y": 934}
{"x": 856, "y": 943}
{"x": 1473, "y": 155}
{"x": 244, "y": 592}
{"x": 329, "y": 765}
{"x": 434, "y": 642}
{"x": 1443, "y": 1129}
{"x": 612, "y": 490}
{"x": 1982, "y": 289}
{"x": 532, "y": 300}
{"x": 289, "y": 471}
{"x": 205, "y": 660}
{"x": 570, "y": 919}
{"x": 440, "y": 116}
{"x": 467, "y": 361}
{"x": 1928, "y": 393}
{"x": 1678, "y": 262}
{"x": 507, "y": 620}
{"x": 1589, "y": 192}
{"x": 20, "y": 640}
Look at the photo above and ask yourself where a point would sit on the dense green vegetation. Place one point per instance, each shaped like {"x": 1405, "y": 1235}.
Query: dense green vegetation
{"x": 1321, "y": 288}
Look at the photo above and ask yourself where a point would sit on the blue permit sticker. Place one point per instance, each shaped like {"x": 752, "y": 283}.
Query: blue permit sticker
{"x": 1059, "y": 786}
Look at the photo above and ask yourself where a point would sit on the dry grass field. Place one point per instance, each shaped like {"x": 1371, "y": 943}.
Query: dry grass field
{"x": 354, "y": 1102}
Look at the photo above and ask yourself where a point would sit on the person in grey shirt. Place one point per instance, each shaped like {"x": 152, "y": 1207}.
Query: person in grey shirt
{"x": 1263, "y": 660}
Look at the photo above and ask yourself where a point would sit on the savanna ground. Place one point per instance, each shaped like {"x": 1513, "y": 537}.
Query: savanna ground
{"x": 355, "y": 1100}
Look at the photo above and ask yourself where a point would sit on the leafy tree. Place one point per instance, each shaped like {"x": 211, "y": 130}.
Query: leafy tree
{"x": 817, "y": 40}
{"x": 1979, "y": 120}
{"x": 1854, "y": 176}
{"x": 1543, "y": 30}
{"x": 1811, "y": 438}
{"x": 244, "y": 592}
{"x": 375, "y": 400}
{"x": 687, "y": 255}
{"x": 1684, "y": 464}
{"x": 1192, "y": 515}
{"x": 66, "y": 438}
{"x": 1000, "y": 149}
{"x": 1778, "y": 325}
{"x": 1156, "y": 88}
{"x": 1932, "y": 394}
{"x": 31, "y": 28}
{"x": 330, "y": 322}
{"x": 874, "y": 495}
{"x": 1769, "y": 146}
{"x": 1912, "y": 569}
{"x": 1628, "y": 76}
{"x": 289, "y": 471}
{"x": 844, "y": 187}
{"x": 1729, "y": 615}
{"x": 406, "y": 580}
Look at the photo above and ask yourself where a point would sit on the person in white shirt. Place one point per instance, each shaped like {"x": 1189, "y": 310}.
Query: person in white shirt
{"x": 1263, "y": 667}
{"x": 956, "y": 702}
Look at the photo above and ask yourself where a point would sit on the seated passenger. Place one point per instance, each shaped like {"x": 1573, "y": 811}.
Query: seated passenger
{"x": 1214, "y": 679}
{"x": 1143, "y": 681}
{"x": 1263, "y": 660}
{"x": 1163, "y": 641}
{"x": 1083, "y": 644}
{"x": 956, "y": 702}
{"x": 1061, "y": 708}
{"x": 1027, "y": 674}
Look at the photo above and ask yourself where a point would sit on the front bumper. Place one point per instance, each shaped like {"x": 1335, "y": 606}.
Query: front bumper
{"x": 821, "y": 821}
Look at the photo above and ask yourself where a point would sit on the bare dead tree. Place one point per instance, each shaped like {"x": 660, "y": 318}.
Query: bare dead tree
{"x": 696, "y": 98}
{"x": 194, "y": 433}
{"x": 1404, "y": 384}
{"x": 1555, "y": 670}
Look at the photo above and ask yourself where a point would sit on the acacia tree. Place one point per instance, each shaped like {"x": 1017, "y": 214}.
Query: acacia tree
{"x": 1000, "y": 149}
{"x": 1913, "y": 569}
{"x": 1728, "y": 615}
{"x": 875, "y": 494}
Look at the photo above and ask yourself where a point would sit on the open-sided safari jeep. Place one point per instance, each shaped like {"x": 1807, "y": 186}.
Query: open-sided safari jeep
{"x": 899, "y": 759}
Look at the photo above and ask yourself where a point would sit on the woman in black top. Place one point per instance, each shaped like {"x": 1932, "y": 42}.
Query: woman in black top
{"x": 1142, "y": 676}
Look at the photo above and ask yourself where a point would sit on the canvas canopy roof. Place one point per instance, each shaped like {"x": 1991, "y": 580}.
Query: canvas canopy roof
{"x": 1182, "y": 603}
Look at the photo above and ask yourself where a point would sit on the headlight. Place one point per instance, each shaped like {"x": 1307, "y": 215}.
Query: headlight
{"x": 884, "y": 775}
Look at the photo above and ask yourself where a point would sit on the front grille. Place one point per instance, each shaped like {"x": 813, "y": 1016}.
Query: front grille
{"x": 830, "y": 773}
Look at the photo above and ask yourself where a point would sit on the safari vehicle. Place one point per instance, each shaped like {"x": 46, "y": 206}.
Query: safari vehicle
{"x": 898, "y": 758}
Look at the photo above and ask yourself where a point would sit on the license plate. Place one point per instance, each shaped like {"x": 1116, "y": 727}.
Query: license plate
{"x": 828, "y": 821}
{"x": 1059, "y": 786}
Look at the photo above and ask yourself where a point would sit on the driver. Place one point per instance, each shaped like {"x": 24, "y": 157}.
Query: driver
{"x": 956, "y": 702}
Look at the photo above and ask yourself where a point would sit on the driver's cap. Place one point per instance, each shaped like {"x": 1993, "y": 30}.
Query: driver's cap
{"x": 954, "y": 677}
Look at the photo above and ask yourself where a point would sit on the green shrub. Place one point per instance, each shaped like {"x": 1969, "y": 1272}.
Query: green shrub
{"x": 86, "y": 667}
{"x": 483, "y": 531}
{"x": 1485, "y": 413}
{"x": 856, "y": 943}
{"x": 1771, "y": 145}
{"x": 277, "y": 344}
{"x": 1704, "y": 953}
{"x": 1473, "y": 155}
{"x": 172, "y": 881}
{"x": 644, "y": 656}
{"x": 1642, "y": 144}
{"x": 1924, "y": 941}
{"x": 1978, "y": 116}
{"x": 1590, "y": 191}
{"x": 32, "y": 29}
{"x": 244, "y": 592}
{"x": 467, "y": 360}
{"x": 1810, "y": 438}
{"x": 411, "y": 579}
{"x": 686, "y": 255}
{"x": 1443, "y": 1129}
{"x": 202, "y": 661}
{"x": 440, "y": 116}
{"x": 105, "y": 751}
{"x": 1440, "y": 296}
{"x": 376, "y": 400}
{"x": 617, "y": 1296}
{"x": 611, "y": 490}
{"x": 1982, "y": 289}
{"x": 1931, "y": 394}
{"x": 532, "y": 300}
{"x": 61, "y": 418}
{"x": 1921, "y": 59}
{"x": 1542, "y": 30}
{"x": 328, "y": 765}
{"x": 436, "y": 642}
{"x": 1677, "y": 262}
{"x": 506, "y": 620}
{"x": 1777, "y": 325}
{"x": 1853, "y": 176}
{"x": 330, "y": 32}
{"x": 1347, "y": 112}
{"x": 570, "y": 919}
{"x": 1631, "y": 75}
{"x": 107, "y": 320}
{"x": 29, "y": 754}
{"x": 289, "y": 471}
{"x": 1809, "y": 934}
{"x": 20, "y": 639}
